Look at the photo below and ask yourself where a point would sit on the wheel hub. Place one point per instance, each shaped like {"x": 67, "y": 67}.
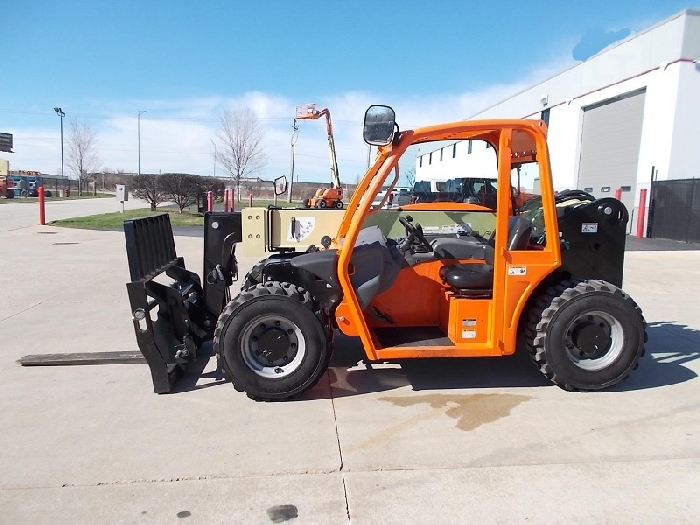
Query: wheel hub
{"x": 594, "y": 340}
{"x": 274, "y": 344}
{"x": 591, "y": 337}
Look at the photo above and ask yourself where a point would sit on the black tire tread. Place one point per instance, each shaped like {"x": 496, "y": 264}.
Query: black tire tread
{"x": 254, "y": 276}
{"x": 544, "y": 308}
{"x": 268, "y": 288}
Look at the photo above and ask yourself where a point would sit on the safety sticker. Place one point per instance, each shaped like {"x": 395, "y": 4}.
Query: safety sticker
{"x": 589, "y": 227}
{"x": 300, "y": 228}
{"x": 517, "y": 270}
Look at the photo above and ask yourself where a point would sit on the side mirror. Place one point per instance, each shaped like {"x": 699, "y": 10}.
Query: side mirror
{"x": 280, "y": 185}
{"x": 379, "y": 125}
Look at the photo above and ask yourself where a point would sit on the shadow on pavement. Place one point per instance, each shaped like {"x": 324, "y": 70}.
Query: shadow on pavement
{"x": 670, "y": 347}
{"x": 351, "y": 374}
{"x": 191, "y": 380}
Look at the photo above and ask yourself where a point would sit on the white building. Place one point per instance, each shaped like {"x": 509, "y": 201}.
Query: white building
{"x": 625, "y": 115}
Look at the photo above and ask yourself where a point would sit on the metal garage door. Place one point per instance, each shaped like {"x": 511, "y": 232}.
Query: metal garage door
{"x": 610, "y": 140}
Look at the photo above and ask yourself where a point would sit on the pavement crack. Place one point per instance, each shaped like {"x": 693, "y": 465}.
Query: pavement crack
{"x": 347, "y": 504}
{"x": 335, "y": 421}
{"x": 20, "y": 312}
{"x": 340, "y": 450}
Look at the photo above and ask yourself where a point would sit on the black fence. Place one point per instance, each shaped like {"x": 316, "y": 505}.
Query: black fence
{"x": 57, "y": 183}
{"x": 674, "y": 210}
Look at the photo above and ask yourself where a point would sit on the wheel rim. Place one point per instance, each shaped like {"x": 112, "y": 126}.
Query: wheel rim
{"x": 272, "y": 346}
{"x": 594, "y": 340}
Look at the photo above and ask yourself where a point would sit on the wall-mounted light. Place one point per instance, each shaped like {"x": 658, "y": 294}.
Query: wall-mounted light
{"x": 544, "y": 98}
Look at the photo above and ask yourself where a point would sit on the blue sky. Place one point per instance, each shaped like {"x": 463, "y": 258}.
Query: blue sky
{"x": 183, "y": 62}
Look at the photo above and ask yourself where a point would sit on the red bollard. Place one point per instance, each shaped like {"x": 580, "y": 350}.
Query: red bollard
{"x": 42, "y": 207}
{"x": 641, "y": 212}
{"x": 226, "y": 200}
{"x": 210, "y": 201}
{"x": 231, "y": 193}
{"x": 250, "y": 200}
{"x": 618, "y": 194}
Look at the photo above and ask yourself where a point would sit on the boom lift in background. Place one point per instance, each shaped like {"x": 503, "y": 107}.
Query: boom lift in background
{"x": 324, "y": 197}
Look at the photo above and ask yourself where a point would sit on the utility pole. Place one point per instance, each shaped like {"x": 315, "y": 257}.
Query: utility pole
{"x": 295, "y": 134}
{"x": 214, "y": 143}
{"x": 61, "y": 114}
{"x": 139, "y": 137}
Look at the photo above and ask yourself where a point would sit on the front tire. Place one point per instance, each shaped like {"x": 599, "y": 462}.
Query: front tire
{"x": 338, "y": 205}
{"x": 322, "y": 204}
{"x": 585, "y": 335}
{"x": 270, "y": 347}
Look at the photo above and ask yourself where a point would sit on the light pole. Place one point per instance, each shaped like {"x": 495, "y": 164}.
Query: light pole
{"x": 61, "y": 114}
{"x": 139, "y": 135}
{"x": 214, "y": 143}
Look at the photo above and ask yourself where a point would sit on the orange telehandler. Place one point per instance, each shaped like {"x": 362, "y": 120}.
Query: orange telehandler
{"x": 550, "y": 271}
{"x": 324, "y": 197}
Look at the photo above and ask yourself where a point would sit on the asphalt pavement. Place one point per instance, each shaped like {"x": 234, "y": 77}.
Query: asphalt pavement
{"x": 423, "y": 441}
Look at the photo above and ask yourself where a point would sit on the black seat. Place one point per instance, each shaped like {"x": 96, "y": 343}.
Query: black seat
{"x": 472, "y": 276}
{"x": 477, "y": 279}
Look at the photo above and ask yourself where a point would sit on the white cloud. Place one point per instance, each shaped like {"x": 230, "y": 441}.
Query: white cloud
{"x": 176, "y": 134}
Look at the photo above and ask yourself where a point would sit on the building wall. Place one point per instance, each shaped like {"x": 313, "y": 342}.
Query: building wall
{"x": 659, "y": 60}
{"x": 636, "y": 54}
{"x": 480, "y": 162}
{"x": 686, "y": 128}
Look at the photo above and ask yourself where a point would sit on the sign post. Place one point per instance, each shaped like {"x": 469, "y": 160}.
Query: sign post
{"x": 122, "y": 195}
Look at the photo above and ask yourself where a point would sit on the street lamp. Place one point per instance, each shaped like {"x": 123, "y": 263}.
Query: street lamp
{"x": 61, "y": 114}
{"x": 139, "y": 134}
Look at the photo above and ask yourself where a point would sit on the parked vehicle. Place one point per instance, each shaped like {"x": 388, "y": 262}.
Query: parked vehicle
{"x": 549, "y": 274}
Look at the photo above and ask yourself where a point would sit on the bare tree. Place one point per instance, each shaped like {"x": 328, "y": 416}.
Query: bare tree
{"x": 241, "y": 140}
{"x": 410, "y": 177}
{"x": 82, "y": 156}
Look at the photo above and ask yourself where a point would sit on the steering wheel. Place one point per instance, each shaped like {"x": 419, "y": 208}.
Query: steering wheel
{"x": 414, "y": 232}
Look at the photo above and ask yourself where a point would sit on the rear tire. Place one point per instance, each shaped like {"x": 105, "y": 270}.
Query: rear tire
{"x": 307, "y": 203}
{"x": 322, "y": 204}
{"x": 585, "y": 335}
{"x": 268, "y": 346}
{"x": 338, "y": 205}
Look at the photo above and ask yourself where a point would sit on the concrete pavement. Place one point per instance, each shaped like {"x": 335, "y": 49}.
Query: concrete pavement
{"x": 425, "y": 441}
{"x": 16, "y": 214}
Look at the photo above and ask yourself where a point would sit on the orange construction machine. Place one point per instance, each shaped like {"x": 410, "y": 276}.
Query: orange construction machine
{"x": 547, "y": 274}
{"x": 324, "y": 197}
